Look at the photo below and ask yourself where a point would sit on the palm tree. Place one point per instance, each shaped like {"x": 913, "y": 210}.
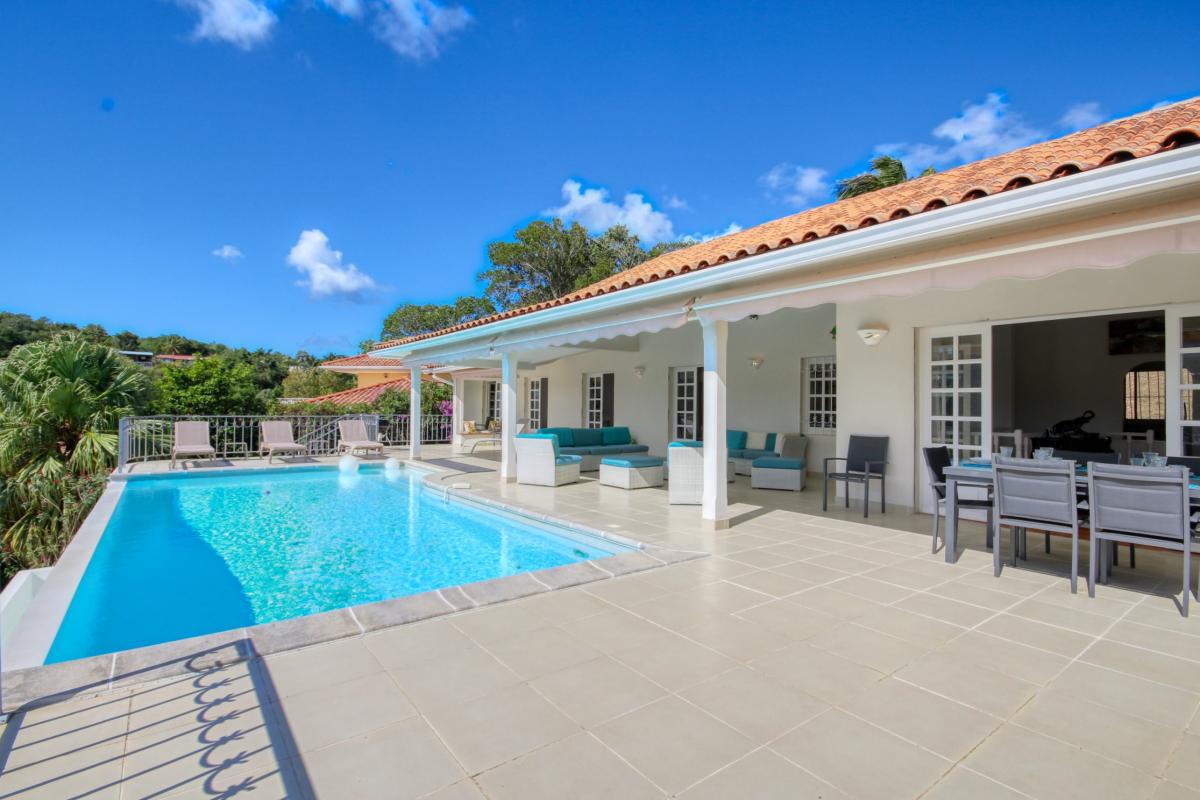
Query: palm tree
{"x": 60, "y": 404}
{"x": 885, "y": 171}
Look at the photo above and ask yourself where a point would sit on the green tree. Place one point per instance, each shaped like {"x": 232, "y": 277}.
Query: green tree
{"x": 216, "y": 385}
{"x": 546, "y": 261}
{"x": 314, "y": 382}
{"x": 617, "y": 250}
{"x": 61, "y": 401}
{"x": 412, "y": 319}
{"x": 885, "y": 171}
{"x": 19, "y": 329}
{"x": 126, "y": 340}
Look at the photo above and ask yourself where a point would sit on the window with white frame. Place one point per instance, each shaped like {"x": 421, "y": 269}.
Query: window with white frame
{"x": 594, "y": 401}
{"x": 685, "y": 403}
{"x": 820, "y": 395}
{"x": 536, "y": 409}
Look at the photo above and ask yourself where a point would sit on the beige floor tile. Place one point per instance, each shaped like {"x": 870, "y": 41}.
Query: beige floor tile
{"x": 463, "y": 676}
{"x": 754, "y": 704}
{"x": 1159, "y": 616}
{"x": 868, "y": 647}
{"x": 834, "y": 602}
{"x": 610, "y": 631}
{"x": 860, "y": 759}
{"x": 762, "y": 775}
{"x": 490, "y": 730}
{"x": 405, "y": 760}
{"x": 47, "y": 733}
{"x": 626, "y": 591}
{"x": 1170, "y": 670}
{"x": 541, "y": 651}
{"x": 326, "y": 716}
{"x": 673, "y": 743}
{"x": 843, "y": 563}
{"x": 579, "y": 766}
{"x": 463, "y": 790}
{"x": 811, "y": 573}
{"x": 199, "y": 699}
{"x": 1174, "y": 643}
{"x": 968, "y": 682}
{"x": 500, "y": 621}
{"x": 944, "y": 726}
{"x": 1120, "y": 737}
{"x": 945, "y": 609}
{"x": 323, "y": 665}
{"x": 736, "y": 638}
{"x": 1009, "y": 657}
{"x": 1148, "y": 700}
{"x": 409, "y": 645}
{"x": 775, "y": 584}
{"x": 675, "y": 662}
{"x": 1184, "y": 767}
{"x": 566, "y": 605}
{"x": 790, "y": 619}
{"x": 1166, "y": 790}
{"x": 93, "y": 772}
{"x": 974, "y": 595}
{"x": 909, "y": 626}
{"x": 818, "y": 673}
{"x": 597, "y": 691}
{"x": 265, "y": 785}
{"x": 963, "y": 784}
{"x": 1036, "y": 634}
{"x": 1062, "y": 616}
{"x": 1042, "y": 767}
{"x": 761, "y": 559}
{"x": 898, "y": 576}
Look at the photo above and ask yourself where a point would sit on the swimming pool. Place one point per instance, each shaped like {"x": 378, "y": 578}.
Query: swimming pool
{"x": 185, "y": 555}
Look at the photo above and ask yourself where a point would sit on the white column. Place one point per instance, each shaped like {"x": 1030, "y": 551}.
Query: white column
{"x": 713, "y": 500}
{"x": 456, "y": 415}
{"x": 508, "y": 416}
{"x": 414, "y": 412}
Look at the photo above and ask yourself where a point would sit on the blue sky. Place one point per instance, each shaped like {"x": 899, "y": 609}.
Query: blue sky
{"x": 198, "y": 165}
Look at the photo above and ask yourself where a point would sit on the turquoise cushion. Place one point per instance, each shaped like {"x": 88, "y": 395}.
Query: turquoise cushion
{"x": 617, "y": 435}
{"x": 632, "y": 462}
{"x": 634, "y": 448}
{"x": 753, "y": 454}
{"x": 563, "y": 434}
{"x": 587, "y": 437}
{"x": 609, "y": 449}
{"x": 560, "y": 461}
{"x": 686, "y": 443}
{"x": 774, "y": 462}
{"x": 769, "y": 444}
{"x": 577, "y": 451}
{"x": 735, "y": 440}
{"x": 552, "y": 437}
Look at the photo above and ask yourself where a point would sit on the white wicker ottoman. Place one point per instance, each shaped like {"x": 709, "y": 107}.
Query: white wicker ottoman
{"x": 631, "y": 472}
{"x": 777, "y": 473}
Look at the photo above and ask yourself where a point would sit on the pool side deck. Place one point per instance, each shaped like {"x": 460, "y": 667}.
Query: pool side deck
{"x": 810, "y": 655}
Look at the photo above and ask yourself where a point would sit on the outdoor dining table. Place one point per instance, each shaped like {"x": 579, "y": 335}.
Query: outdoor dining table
{"x": 983, "y": 475}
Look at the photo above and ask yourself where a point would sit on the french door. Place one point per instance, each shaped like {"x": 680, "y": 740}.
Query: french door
{"x": 1183, "y": 379}
{"x": 685, "y": 403}
{"x": 956, "y": 395}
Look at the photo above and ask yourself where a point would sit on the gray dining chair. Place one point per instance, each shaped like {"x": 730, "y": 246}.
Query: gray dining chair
{"x": 1191, "y": 462}
{"x": 1038, "y": 495}
{"x": 866, "y": 458}
{"x": 936, "y": 461}
{"x": 1143, "y": 506}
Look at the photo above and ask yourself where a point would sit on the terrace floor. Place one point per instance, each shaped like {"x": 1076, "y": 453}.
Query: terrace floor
{"x": 810, "y": 656}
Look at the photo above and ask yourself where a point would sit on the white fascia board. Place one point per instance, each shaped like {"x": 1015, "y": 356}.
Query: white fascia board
{"x": 1087, "y": 190}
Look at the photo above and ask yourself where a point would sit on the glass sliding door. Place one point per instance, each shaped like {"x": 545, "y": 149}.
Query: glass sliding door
{"x": 1183, "y": 380}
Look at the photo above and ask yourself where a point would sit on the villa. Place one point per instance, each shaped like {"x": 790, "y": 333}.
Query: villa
{"x": 644, "y": 587}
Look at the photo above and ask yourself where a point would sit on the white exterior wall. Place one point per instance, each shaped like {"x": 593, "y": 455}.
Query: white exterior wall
{"x": 877, "y": 386}
{"x": 766, "y": 399}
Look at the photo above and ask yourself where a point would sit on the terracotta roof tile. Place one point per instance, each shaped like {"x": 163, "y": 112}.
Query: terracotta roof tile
{"x": 1120, "y": 140}
{"x": 362, "y": 394}
{"x": 363, "y": 360}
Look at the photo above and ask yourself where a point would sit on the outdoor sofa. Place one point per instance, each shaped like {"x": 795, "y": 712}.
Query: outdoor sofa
{"x": 540, "y": 461}
{"x": 593, "y": 444}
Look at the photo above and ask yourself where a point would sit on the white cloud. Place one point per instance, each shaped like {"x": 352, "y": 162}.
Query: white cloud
{"x": 1081, "y": 115}
{"x": 324, "y": 274}
{"x": 244, "y": 23}
{"x": 347, "y": 8}
{"x": 593, "y": 209}
{"x": 417, "y": 29}
{"x": 227, "y": 252}
{"x": 676, "y": 203}
{"x": 796, "y": 185}
{"x": 981, "y": 130}
{"x": 697, "y": 238}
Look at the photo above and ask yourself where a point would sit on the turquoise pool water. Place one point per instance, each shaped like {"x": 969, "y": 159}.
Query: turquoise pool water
{"x": 187, "y": 555}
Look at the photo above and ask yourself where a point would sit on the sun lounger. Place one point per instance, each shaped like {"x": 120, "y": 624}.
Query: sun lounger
{"x": 191, "y": 439}
{"x": 352, "y": 435}
{"x": 277, "y": 438}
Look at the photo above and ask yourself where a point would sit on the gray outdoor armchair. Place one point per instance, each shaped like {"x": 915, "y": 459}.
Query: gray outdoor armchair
{"x": 936, "y": 461}
{"x": 1142, "y": 506}
{"x": 866, "y": 459}
{"x": 1039, "y": 495}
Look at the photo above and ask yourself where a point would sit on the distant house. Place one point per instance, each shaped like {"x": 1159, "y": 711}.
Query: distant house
{"x": 171, "y": 358}
{"x": 141, "y": 357}
{"x": 374, "y": 376}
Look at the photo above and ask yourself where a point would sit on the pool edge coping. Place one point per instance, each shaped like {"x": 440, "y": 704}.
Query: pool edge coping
{"x": 44, "y": 684}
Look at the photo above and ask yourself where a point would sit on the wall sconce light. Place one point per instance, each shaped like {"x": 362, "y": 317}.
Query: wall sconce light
{"x": 756, "y": 361}
{"x": 639, "y": 372}
{"x": 872, "y": 336}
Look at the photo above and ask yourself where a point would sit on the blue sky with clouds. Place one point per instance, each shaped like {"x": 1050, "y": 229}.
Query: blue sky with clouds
{"x": 282, "y": 174}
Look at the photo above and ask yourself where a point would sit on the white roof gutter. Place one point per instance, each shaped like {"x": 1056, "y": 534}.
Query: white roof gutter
{"x": 1085, "y": 191}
